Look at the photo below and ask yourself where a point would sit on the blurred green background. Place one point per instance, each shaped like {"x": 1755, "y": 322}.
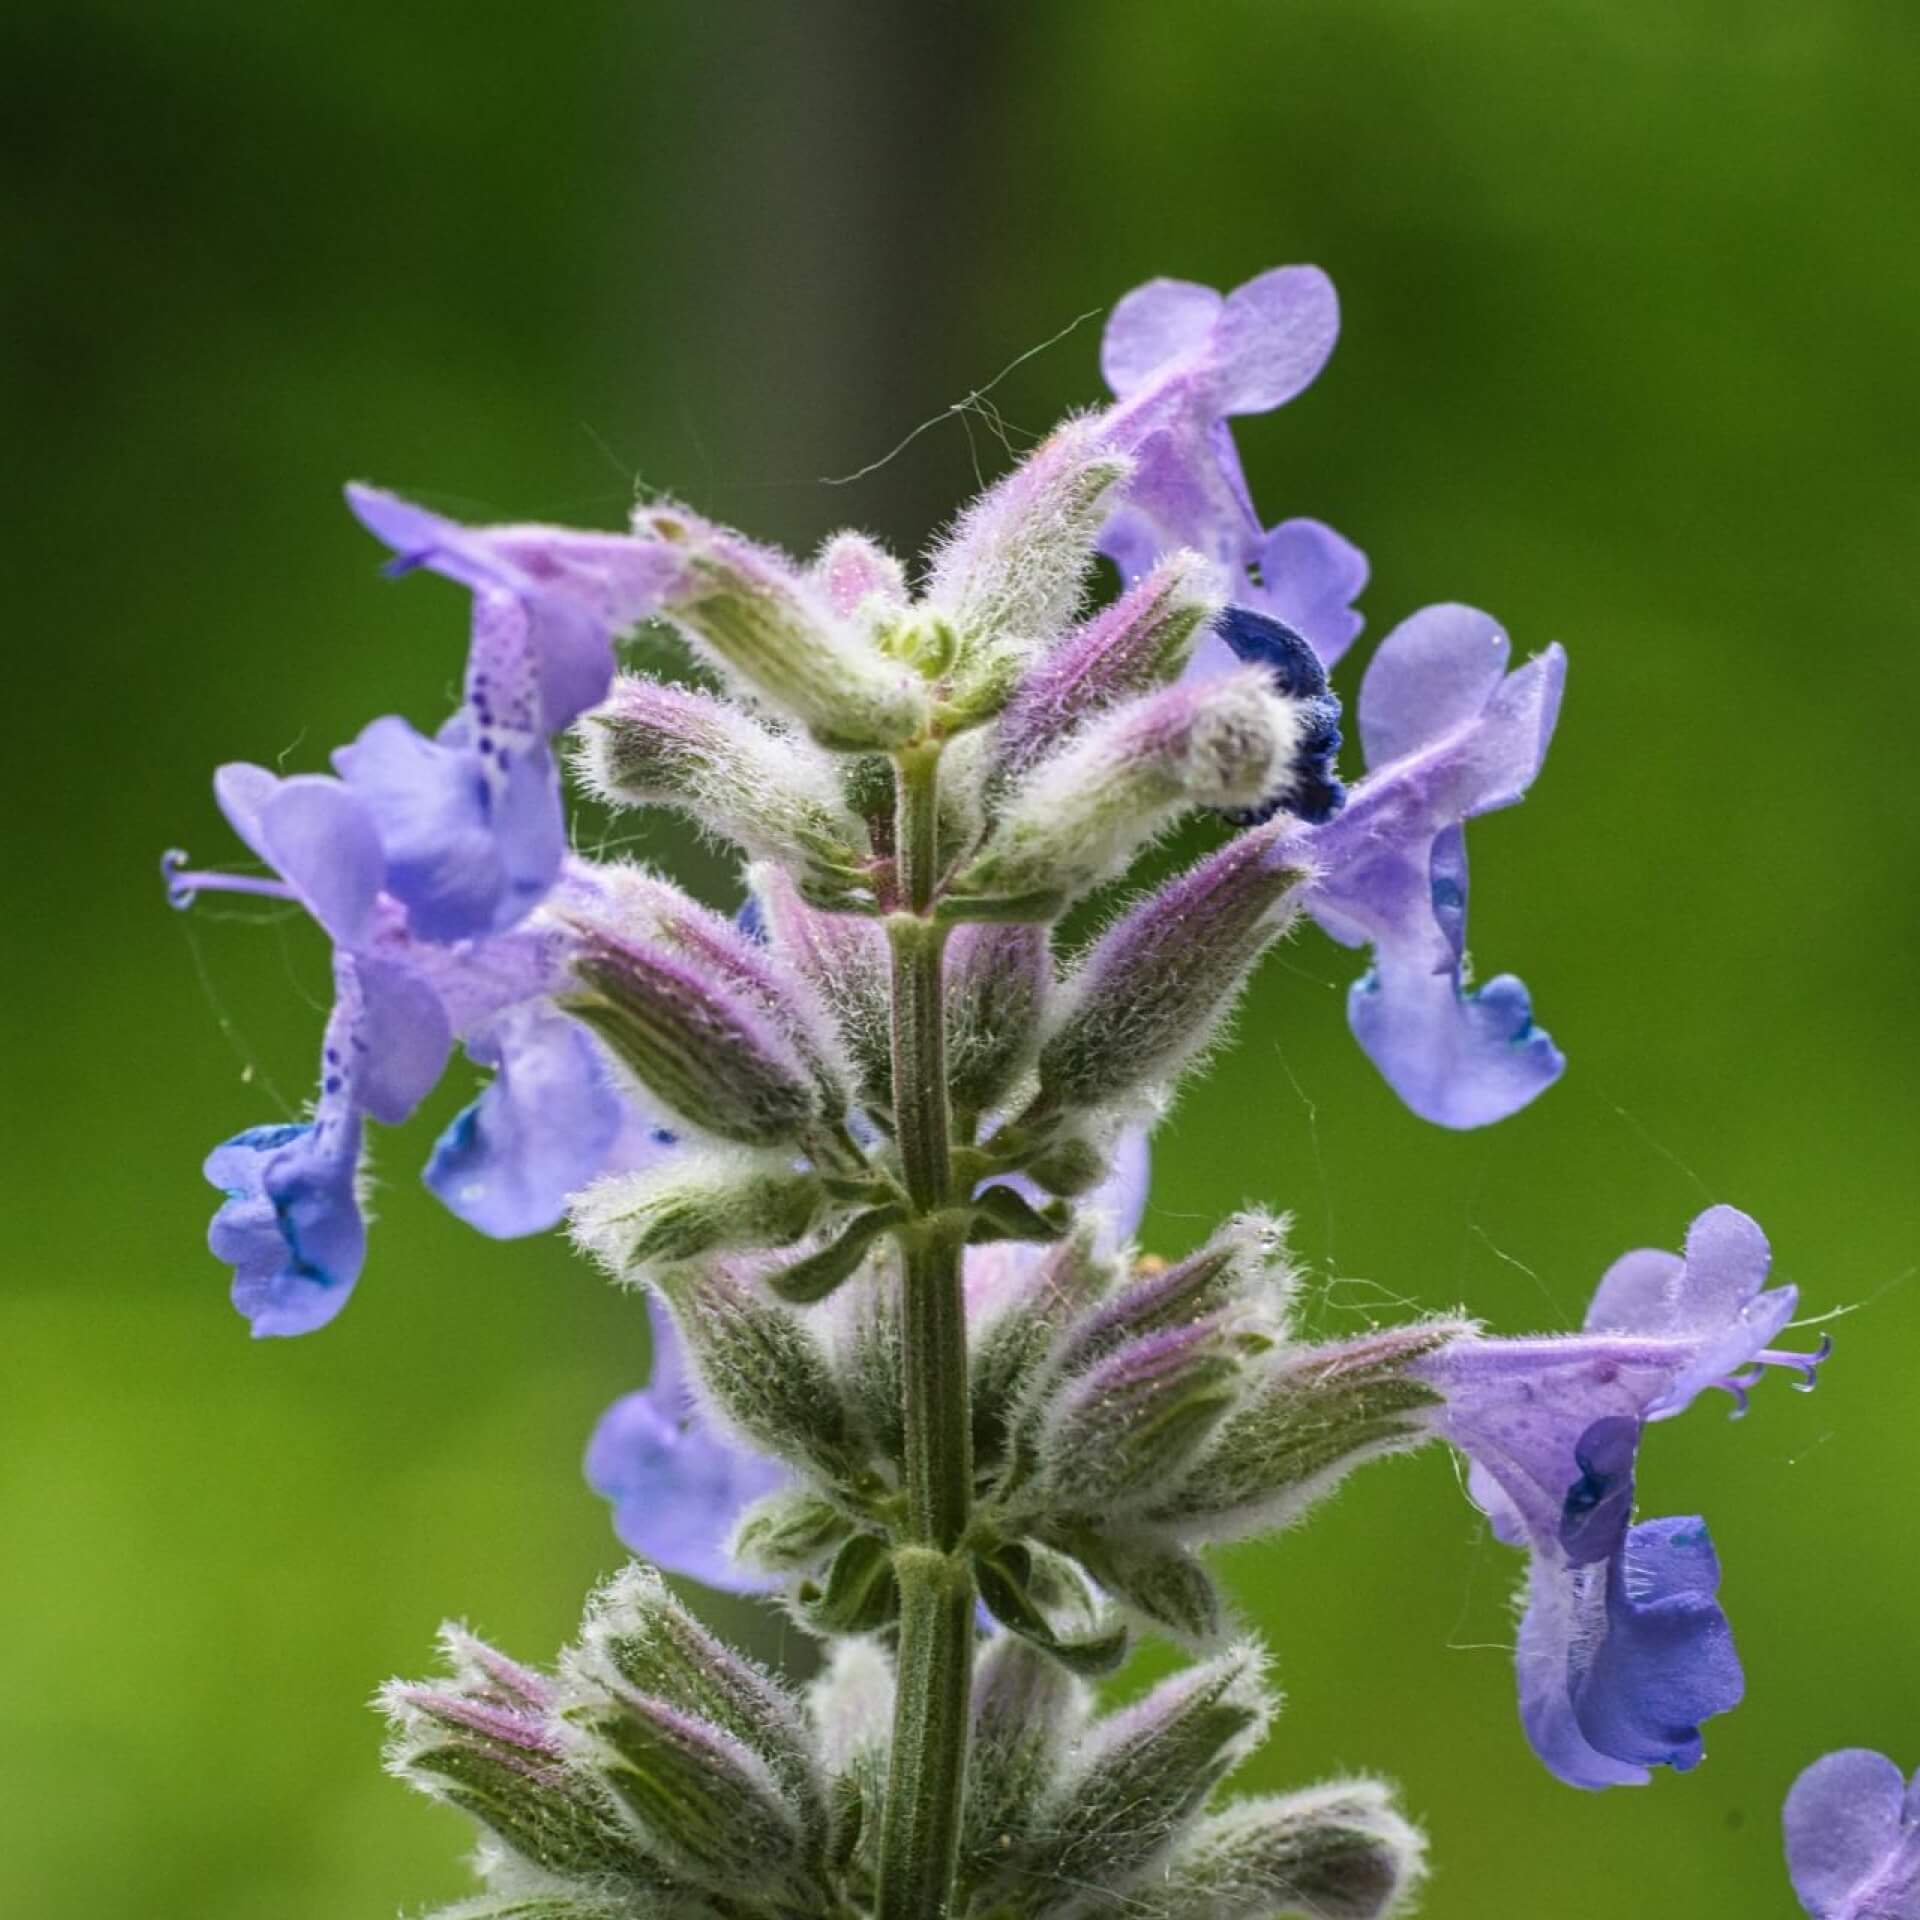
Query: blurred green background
{"x": 1630, "y": 298}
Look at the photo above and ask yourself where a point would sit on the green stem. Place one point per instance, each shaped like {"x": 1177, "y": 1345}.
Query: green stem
{"x": 920, "y": 1829}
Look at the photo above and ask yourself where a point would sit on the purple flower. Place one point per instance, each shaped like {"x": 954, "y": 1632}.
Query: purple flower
{"x": 678, "y": 1489}
{"x": 1183, "y": 359}
{"x": 1853, "y": 1838}
{"x": 1623, "y": 1650}
{"x": 573, "y": 590}
{"x": 291, "y": 1225}
{"x": 1448, "y": 734}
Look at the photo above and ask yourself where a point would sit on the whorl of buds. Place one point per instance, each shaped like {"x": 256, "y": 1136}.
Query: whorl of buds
{"x": 767, "y": 626}
{"x": 763, "y": 788}
{"x": 1083, "y": 812}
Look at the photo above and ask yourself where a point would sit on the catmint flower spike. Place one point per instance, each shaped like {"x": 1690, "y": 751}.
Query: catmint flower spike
{"x": 768, "y": 627}
{"x": 764, "y": 788}
{"x": 1154, "y": 989}
{"x": 1086, "y": 810}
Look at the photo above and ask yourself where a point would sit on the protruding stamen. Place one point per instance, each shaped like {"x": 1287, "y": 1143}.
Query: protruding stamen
{"x": 183, "y": 888}
{"x": 1806, "y": 1365}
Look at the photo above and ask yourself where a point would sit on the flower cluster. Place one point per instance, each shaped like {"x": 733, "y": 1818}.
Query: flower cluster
{"x": 873, "y": 1145}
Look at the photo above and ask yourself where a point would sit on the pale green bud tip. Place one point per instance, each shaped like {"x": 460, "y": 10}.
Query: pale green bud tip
{"x": 696, "y": 1202}
{"x": 1083, "y": 812}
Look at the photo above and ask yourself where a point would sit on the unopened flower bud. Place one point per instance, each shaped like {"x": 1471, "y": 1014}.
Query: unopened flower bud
{"x": 1158, "y": 982}
{"x": 843, "y": 958}
{"x": 1028, "y": 1712}
{"x": 1016, "y": 563}
{"x": 1314, "y": 1414}
{"x": 1142, "y": 1774}
{"x": 761, "y": 1368}
{"x": 706, "y": 1053}
{"x": 1121, "y": 1432}
{"x": 1139, "y": 643}
{"x": 1084, "y": 812}
{"x": 853, "y": 572}
{"x": 1153, "y": 1579}
{"x": 997, "y": 981}
{"x": 792, "y": 1530}
{"x": 640, "y": 905}
{"x": 770, "y": 627}
{"x": 766, "y": 789}
{"x": 691, "y": 1204}
{"x": 503, "y": 1763}
{"x": 699, "y": 1797}
{"x": 1342, "y": 1851}
{"x": 639, "y": 1633}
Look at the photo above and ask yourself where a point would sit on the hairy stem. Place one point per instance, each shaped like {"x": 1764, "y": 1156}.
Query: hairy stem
{"x": 920, "y": 1833}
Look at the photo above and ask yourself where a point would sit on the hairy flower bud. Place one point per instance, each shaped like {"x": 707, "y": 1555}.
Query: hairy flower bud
{"x": 693, "y": 1203}
{"x": 761, "y": 1368}
{"x": 766, "y": 625}
{"x": 765, "y": 789}
{"x": 698, "y": 1796}
{"x": 642, "y": 906}
{"x": 1016, "y": 563}
{"x": 1158, "y": 982}
{"x": 708, "y": 1054}
{"x": 1084, "y": 812}
{"x": 843, "y": 959}
{"x": 997, "y": 982}
{"x": 1342, "y": 1851}
{"x": 792, "y": 1530}
{"x": 853, "y": 572}
{"x": 639, "y": 1633}
{"x": 1127, "y": 649}
{"x": 1315, "y": 1414}
{"x": 1139, "y": 1776}
{"x": 495, "y": 1755}
{"x": 1028, "y": 1713}
{"x": 1121, "y": 1432}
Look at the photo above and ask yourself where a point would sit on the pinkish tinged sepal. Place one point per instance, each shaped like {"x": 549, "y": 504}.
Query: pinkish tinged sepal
{"x": 1153, "y": 990}
{"x": 1138, "y": 643}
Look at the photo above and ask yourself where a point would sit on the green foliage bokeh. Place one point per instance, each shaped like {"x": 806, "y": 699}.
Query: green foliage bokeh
{"x": 1630, "y": 297}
